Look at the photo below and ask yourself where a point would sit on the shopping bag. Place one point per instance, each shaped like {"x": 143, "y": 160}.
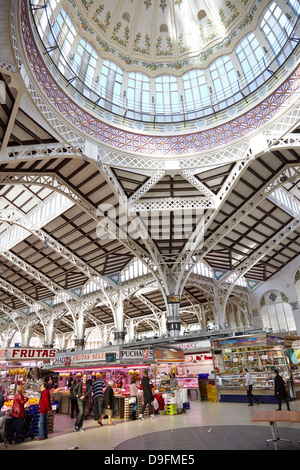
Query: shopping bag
{"x": 132, "y": 400}
{"x": 155, "y": 404}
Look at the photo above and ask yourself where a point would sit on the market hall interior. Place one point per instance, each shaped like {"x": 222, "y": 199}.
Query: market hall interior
{"x": 149, "y": 213}
{"x": 207, "y": 427}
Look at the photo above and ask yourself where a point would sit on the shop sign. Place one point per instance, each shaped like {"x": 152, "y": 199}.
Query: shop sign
{"x": 67, "y": 361}
{"x": 198, "y": 358}
{"x": 167, "y": 355}
{"x": 292, "y": 341}
{"x": 27, "y": 354}
{"x": 136, "y": 354}
{"x": 87, "y": 357}
{"x": 238, "y": 342}
{"x": 275, "y": 340}
{"x": 194, "y": 345}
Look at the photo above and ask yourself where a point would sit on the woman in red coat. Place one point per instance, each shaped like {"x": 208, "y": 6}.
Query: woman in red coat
{"x": 45, "y": 408}
{"x": 17, "y": 414}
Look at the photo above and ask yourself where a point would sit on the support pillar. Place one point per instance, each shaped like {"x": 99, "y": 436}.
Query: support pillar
{"x": 131, "y": 331}
{"x": 49, "y": 334}
{"x": 119, "y": 320}
{"x": 26, "y": 336}
{"x": 173, "y": 320}
{"x": 104, "y": 336}
{"x": 80, "y": 328}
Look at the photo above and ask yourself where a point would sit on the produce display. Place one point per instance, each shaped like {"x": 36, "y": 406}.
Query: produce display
{"x": 60, "y": 390}
{"x": 18, "y": 371}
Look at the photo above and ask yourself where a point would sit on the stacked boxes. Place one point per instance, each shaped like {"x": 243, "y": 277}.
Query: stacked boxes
{"x": 171, "y": 409}
{"x": 128, "y": 407}
{"x": 50, "y": 421}
{"x": 212, "y": 393}
{"x": 170, "y": 403}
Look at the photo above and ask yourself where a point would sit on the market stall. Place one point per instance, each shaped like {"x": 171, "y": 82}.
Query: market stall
{"x": 292, "y": 345}
{"x": 196, "y": 373}
{"x": 120, "y": 375}
{"x": 16, "y": 366}
{"x": 260, "y": 354}
{"x": 172, "y": 397}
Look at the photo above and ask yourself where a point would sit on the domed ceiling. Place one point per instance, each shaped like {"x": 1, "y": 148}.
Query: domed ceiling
{"x": 162, "y": 34}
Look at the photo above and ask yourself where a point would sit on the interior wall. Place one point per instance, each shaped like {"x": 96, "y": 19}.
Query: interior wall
{"x": 284, "y": 282}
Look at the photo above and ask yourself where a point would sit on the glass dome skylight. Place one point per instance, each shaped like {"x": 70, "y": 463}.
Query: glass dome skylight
{"x": 188, "y": 70}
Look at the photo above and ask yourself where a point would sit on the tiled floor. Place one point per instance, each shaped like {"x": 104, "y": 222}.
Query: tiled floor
{"x": 206, "y": 425}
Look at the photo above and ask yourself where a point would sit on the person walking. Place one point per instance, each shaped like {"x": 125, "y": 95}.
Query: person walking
{"x": 17, "y": 413}
{"x": 45, "y": 408}
{"x": 108, "y": 404}
{"x": 82, "y": 391}
{"x": 74, "y": 404}
{"x": 249, "y": 385}
{"x": 133, "y": 397}
{"x": 97, "y": 391}
{"x": 148, "y": 395}
{"x": 280, "y": 391}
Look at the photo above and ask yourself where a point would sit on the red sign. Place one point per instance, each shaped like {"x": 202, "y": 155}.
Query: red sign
{"x": 27, "y": 354}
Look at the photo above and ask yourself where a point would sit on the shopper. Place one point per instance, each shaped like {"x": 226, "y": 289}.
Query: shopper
{"x": 17, "y": 413}
{"x": 50, "y": 383}
{"x": 45, "y": 408}
{"x": 249, "y": 385}
{"x": 133, "y": 397}
{"x": 108, "y": 404}
{"x": 74, "y": 404}
{"x": 82, "y": 391}
{"x": 280, "y": 391}
{"x": 148, "y": 395}
{"x": 2, "y": 400}
{"x": 97, "y": 391}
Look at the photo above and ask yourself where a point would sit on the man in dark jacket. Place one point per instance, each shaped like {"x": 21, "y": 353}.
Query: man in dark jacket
{"x": 148, "y": 395}
{"x": 82, "y": 391}
{"x": 280, "y": 391}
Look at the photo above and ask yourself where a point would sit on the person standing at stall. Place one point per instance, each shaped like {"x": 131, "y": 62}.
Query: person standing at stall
{"x": 148, "y": 395}
{"x": 82, "y": 391}
{"x": 108, "y": 404}
{"x": 133, "y": 397}
{"x": 249, "y": 385}
{"x": 45, "y": 408}
{"x": 74, "y": 404}
{"x": 280, "y": 391}
{"x": 97, "y": 391}
{"x": 17, "y": 413}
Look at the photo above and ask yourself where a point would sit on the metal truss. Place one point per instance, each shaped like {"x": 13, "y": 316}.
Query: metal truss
{"x": 198, "y": 185}
{"x": 40, "y": 151}
{"x": 13, "y": 216}
{"x": 7, "y": 67}
{"x": 156, "y": 311}
{"x": 290, "y": 173}
{"x": 258, "y": 254}
{"x": 286, "y": 201}
{"x": 173, "y": 204}
{"x": 158, "y": 175}
{"x": 186, "y": 257}
{"x": 224, "y": 289}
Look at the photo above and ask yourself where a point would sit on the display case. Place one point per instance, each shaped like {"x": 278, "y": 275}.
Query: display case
{"x": 260, "y": 354}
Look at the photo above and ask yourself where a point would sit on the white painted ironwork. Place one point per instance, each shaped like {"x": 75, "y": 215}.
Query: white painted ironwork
{"x": 172, "y": 204}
